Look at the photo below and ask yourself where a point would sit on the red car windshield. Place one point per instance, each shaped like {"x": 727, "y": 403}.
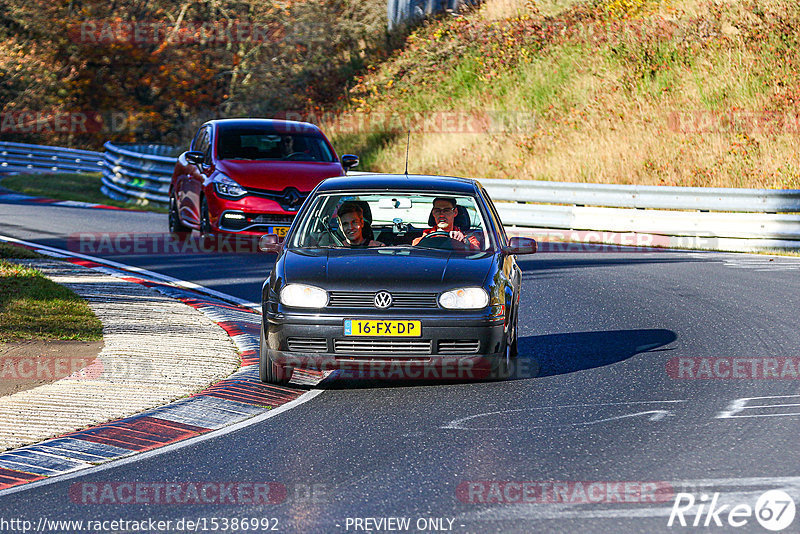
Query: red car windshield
{"x": 258, "y": 144}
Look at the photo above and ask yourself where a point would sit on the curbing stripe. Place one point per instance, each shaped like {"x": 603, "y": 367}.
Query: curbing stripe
{"x": 10, "y": 477}
{"x": 140, "y": 433}
{"x": 208, "y": 412}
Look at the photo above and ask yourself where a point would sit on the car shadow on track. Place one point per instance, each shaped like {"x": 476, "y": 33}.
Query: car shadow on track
{"x": 559, "y": 354}
{"x": 539, "y": 356}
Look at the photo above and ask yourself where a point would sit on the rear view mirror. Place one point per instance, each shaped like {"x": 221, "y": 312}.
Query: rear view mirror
{"x": 195, "y": 157}
{"x": 394, "y": 203}
{"x": 349, "y": 161}
{"x": 520, "y": 245}
{"x": 270, "y": 243}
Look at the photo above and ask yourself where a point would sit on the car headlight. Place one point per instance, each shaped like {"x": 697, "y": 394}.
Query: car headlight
{"x": 227, "y": 186}
{"x": 465, "y": 298}
{"x": 303, "y": 296}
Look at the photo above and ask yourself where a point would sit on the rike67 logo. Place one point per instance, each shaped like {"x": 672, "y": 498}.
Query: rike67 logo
{"x": 774, "y": 510}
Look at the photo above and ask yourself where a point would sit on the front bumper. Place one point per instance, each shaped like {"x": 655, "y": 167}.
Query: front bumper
{"x": 448, "y": 345}
{"x": 249, "y": 215}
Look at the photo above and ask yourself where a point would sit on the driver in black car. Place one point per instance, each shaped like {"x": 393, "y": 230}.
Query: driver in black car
{"x": 444, "y": 214}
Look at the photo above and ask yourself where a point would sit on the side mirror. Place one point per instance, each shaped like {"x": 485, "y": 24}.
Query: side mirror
{"x": 349, "y": 161}
{"x": 270, "y": 243}
{"x": 195, "y": 157}
{"x": 520, "y": 245}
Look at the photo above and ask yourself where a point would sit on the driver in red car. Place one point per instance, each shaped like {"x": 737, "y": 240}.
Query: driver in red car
{"x": 444, "y": 214}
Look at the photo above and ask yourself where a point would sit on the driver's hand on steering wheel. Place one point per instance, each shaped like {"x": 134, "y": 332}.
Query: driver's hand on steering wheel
{"x": 458, "y": 236}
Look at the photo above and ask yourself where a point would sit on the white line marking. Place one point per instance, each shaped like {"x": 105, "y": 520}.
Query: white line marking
{"x": 455, "y": 424}
{"x": 135, "y": 457}
{"x": 738, "y": 405}
{"x": 156, "y": 276}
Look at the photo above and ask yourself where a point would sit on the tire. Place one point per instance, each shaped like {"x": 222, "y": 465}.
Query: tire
{"x": 269, "y": 371}
{"x": 515, "y": 337}
{"x": 503, "y": 365}
{"x": 205, "y": 219}
{"x": 500, "y": 365}
{"x": 175, "y": 224}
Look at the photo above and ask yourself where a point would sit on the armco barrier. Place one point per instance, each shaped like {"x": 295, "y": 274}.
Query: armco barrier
{"x": 728, "y": 219}
{"x": 141, "y": 173}
{"x": 20, "y": 157}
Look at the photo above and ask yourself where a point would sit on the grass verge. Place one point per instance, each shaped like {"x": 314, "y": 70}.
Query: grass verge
{"x": 81, "y": 187}
{"x": 33, "y": 307}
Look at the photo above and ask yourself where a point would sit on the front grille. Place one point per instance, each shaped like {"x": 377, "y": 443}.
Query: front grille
{"x": 366, "y": 299}
{"x": 270, "y": 218}
{"x": 314, "y": 344}
{"x": 255, "y": 221}
{"x": 459, "y": 346}
{"x": 382, "y": 346}
{"x": 290, "y": 199}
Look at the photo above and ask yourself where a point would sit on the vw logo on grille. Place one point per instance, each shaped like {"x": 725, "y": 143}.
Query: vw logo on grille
{"x": 383, "y": 299}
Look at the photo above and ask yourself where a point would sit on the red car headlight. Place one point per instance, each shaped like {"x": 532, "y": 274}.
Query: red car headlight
{"x": 226, "y": 186}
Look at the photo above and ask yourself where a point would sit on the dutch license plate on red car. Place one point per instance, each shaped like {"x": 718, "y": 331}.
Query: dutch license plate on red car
{"x": 377, "y": 327}
{"x": 280, "y": 231}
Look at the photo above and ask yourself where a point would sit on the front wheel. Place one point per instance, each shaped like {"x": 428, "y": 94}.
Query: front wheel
{"x": 503, "y": 365}
{"x": 205, "y": 219}
{"x": 269, "y": 371}
{"x": 175, "y": 224}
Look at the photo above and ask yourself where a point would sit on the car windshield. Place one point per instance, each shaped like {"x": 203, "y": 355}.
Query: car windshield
{"x": 261, "y": 144}
{"x": 387, "y": 219}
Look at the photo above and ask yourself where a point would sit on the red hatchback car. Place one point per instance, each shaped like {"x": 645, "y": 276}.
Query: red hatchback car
{"x": 249, "y": 176}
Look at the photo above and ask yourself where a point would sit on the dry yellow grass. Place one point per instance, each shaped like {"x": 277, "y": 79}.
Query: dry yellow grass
{"x": 637, "y": 109}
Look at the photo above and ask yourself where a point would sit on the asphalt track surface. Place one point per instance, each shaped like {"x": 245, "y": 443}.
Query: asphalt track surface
{"x": 606, "y": 327}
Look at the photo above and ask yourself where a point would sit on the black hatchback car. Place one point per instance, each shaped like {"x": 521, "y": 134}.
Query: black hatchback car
{"x": 397, "y": 276}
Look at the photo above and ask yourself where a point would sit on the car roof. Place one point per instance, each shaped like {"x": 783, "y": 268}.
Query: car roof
{"x": 401, "y": 182}
{"x": 267, "y": 124}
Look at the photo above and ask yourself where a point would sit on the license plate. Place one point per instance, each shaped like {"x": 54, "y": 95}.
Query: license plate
{"x": 372, "y": 327}
{"x": 280, "y": 231}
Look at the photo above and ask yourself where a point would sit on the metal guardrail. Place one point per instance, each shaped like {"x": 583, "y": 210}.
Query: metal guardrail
{"x": 399, "y": 12}
{"x": 646, "y": 196}
{"x": 142, "y": 173}
{"x": 21, "y": 157}
{"x": 754, "y": 214}
{"x": 139, "y": 173}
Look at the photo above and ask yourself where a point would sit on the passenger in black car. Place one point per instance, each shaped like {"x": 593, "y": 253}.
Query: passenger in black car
{"x": 357, "y": 233}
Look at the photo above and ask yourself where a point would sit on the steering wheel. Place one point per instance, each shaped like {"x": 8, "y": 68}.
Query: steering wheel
{"x": 441, "y": 239}
{"x": 327, "y": 229}
{"x": 293, "y": 154}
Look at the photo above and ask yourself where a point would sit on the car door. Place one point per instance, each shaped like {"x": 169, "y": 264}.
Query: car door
{"x": 511, "y": 273}
{"x": 196, "y": 175}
